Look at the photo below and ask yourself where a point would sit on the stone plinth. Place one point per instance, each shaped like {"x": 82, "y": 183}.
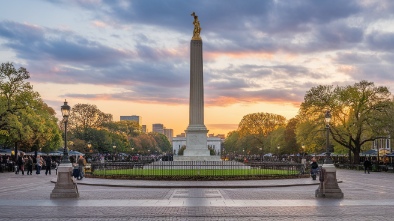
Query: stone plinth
{"x": 328, "y": 188}
{"x": 196, "y": 143}
{"x": 65, "y": 186}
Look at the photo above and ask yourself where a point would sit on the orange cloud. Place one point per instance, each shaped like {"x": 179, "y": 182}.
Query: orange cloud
{"x": 227, "y": 101}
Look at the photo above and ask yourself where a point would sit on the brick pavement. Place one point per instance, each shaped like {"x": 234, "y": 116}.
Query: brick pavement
{"x": 367, "y": 197}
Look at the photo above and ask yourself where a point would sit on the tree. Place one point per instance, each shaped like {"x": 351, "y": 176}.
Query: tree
{"x": 127, "y": 127}
{"x": 310, "y": 136}
{"x": 25, "y": 120}
{"x": 143, "y": 143}
{"x": 85, "y": 116}
{"x": 230, "y": 143}
{"x": 359, "y": 112}
{"x": 277, "y": 139}
{"x": 291, "y": 145}
{"x": 163, "y": 144}
{"x": 14, "y": 92}
{"x": 259, "y": 126}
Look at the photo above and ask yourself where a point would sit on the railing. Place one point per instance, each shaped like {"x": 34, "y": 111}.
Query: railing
{"x": 196, "y": 170}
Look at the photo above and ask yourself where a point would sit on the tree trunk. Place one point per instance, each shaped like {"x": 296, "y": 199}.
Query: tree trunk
{"x": 356, "y": 156}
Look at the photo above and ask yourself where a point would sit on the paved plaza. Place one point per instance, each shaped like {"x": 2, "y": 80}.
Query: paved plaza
{"x": 367, "y": 197}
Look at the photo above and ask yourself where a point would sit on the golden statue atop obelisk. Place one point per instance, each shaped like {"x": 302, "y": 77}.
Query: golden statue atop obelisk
{"x": 197, "y": 28}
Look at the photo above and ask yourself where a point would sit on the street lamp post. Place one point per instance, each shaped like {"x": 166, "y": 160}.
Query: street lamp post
{"x": 328, "y": 187}
{"x": 327, "y": 120}
{"x": 261, "y": 153}
{"x": 278, "y": 153}
{"x": 89, "y": 146}
{"x": 303, "y": 160}
{"x": 65, "y": 186}
{"x": 114, "y": 147}
{"x": 66, "y": 113}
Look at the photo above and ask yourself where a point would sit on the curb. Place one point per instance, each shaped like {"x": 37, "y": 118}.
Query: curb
{"x": 193, "y": 185}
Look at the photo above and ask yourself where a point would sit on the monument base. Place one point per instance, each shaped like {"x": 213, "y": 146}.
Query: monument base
{"x": 201, "y": 152}
{"x": 196, "y": 142}
{"x": 328, "y": 188}
{"x": 65, "y": 186}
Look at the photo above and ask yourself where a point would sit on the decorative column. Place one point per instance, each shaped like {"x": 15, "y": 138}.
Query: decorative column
{"x": 196, "y": 132}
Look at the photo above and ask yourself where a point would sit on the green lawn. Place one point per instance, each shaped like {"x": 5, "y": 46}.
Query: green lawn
{"x": 194, "y": 172}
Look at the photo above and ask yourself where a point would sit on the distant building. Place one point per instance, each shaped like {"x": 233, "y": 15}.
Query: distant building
{"x": 158, "y": 128}
{"x": 169, "y": 134}
{"x": 143, "y": 128}
{"x": 135, "y": 118}
{"x": 221, "y": 136}
{"x": 181, "y": 135}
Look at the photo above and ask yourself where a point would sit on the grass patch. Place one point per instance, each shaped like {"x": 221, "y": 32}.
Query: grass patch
{"x": 194, "y": 172}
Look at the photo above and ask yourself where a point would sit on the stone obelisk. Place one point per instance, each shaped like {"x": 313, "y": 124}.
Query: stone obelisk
{"x": 196, "y": 132}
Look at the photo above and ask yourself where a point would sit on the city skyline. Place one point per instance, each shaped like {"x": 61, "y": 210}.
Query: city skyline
{"x": 133, "y": 56}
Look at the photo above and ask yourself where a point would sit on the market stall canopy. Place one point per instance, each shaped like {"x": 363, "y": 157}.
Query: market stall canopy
{"x": 9, "y": 152}
{"x": 371, "y": 152}
{"x": 38, "y": 153}
{"x": 74, "y": 152}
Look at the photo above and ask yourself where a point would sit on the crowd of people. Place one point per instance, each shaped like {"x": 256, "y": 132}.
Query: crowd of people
{"x": 26, "y": 163}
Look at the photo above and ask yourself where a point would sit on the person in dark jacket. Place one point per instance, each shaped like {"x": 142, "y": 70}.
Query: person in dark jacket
{"x": 367, "y": 165}
{"x": 29, "y": 165}
{"x": 21, "y": 164}
{"x": 314, "y": 164}
{"x": 48, "y": 164}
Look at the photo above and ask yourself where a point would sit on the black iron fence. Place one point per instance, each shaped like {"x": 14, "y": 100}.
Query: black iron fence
{"x": 196, "y": 170}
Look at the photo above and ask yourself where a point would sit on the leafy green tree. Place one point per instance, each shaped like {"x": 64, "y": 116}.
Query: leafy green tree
{"x": 290, "y": 140}
{"x": 310, "y": 136}
{"x": 128, "y": 128}
{"x": 258, "y": 126}
{"x": 163, "y": 144}
{"x": 25, "y": 120}
{"x": 277, "y": 139}
{"x": 360, "y": 113}
{"x": 230, "y": 143}
{"x": 86, "y": 116}
{"x": 143, "y": 143}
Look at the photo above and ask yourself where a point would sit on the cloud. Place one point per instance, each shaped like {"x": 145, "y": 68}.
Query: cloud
{"x": 38, "y": 43}
{"x": 381, "y": 41}
{"x": 254, "y": 51}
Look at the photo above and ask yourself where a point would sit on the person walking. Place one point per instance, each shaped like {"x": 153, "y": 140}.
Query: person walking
{"x": 367, "y": 165}
{"x": 21, "y": 164}
{"x": 29, "y": 165}
{"x": 48, "y": 164}
{"x": 38, "y": 164}
{"x": 314, "y": 168}
{"x": 81, "y": 165}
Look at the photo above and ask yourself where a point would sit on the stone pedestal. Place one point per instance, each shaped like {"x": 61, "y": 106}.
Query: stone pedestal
{"x": 196, "y": 142}
{"x": 328, "y": 188}
{"x": 65, "y": 186}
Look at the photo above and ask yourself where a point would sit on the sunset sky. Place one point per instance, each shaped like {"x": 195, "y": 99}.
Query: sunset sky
{"x": 132, "y": 57}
